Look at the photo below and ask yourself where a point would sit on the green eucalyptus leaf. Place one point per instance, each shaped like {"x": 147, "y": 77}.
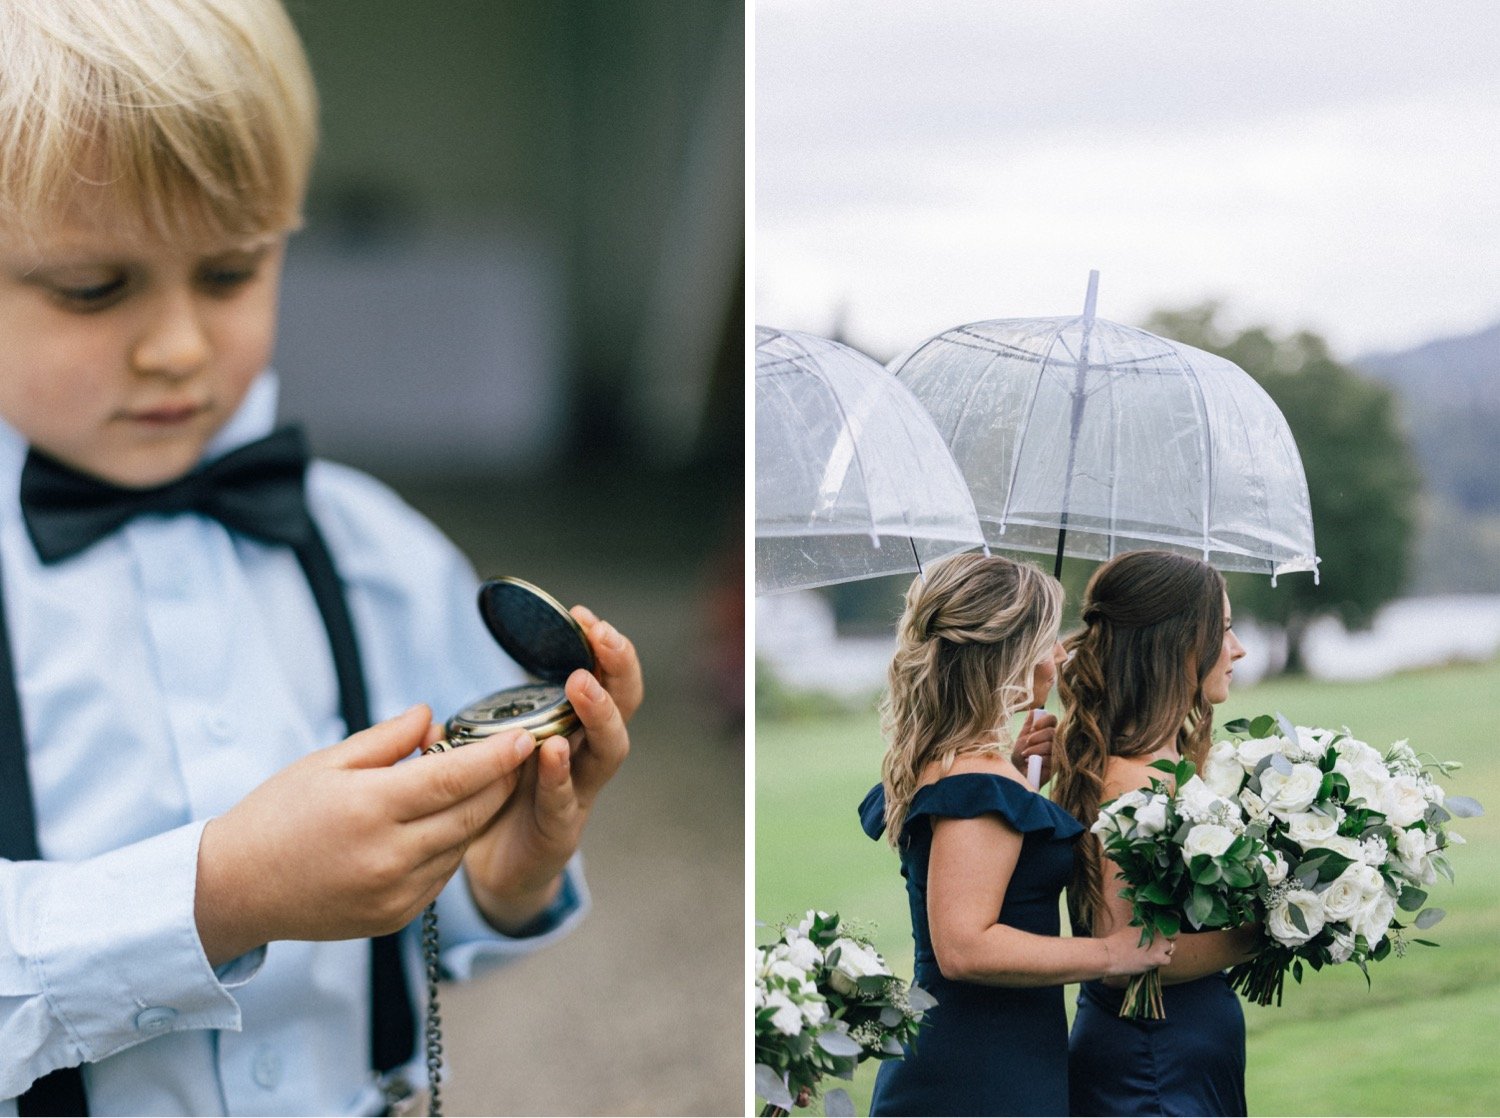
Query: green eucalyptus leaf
{"x": 1411, "y": 899}
{"x": 1280, "y": 764}
{"x": 1198, "y": 907}
{"x": 1262, "y": 726}
{"x": 1288, "y": 731}
{"x": 838, "y": 1043}
{"x": 891, "y": 1046}
{"x": 838, "y": 1104}
{"x": 890, "y": 1016}
{"x": 1464, "y": 807}
{"x": 1240, "y": 727}
{"x": 772, "y": 1087}
{"x": 1428, "y": 917}
{"x": 1423, "y": 942}
{"x": 1298, "y": 920}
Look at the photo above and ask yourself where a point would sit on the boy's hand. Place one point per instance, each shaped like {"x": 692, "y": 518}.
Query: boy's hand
{"x": 346, "y": 843}
{"x": 514, "y": 869}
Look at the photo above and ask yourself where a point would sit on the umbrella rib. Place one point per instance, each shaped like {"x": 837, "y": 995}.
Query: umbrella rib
{"x": 1015, "y": 458}
{"x": 1207, "y": 443}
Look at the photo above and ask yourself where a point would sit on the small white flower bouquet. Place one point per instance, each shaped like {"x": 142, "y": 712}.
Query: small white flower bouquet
{"x": 1187, "y": 858}
{"x": 825, "y": 1001}
{"x": 1352, "y": 838}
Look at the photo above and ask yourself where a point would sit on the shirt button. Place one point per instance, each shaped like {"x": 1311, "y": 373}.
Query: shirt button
{"x": 266, "y": 1068}
{"x": 219, "y": 727}
{"x": 156, "y": 1019}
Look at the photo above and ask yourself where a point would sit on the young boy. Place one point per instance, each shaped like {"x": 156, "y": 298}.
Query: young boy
{"x": 186, "y": 877}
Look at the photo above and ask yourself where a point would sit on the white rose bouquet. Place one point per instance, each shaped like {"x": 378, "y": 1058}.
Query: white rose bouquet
{"x": 1187, "y": 858}
{"x": 824, "y": 1002}
{"x": 1352, "y": 837}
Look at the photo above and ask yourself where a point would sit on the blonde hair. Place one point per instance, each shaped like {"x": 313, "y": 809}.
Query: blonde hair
{"x": 199, "y": 115}
{"x": 1153, "y": 631}
{"x": 973, "y": 630}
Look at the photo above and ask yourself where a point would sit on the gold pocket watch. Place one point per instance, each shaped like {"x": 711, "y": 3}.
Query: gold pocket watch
{"x": 548, "y": 643}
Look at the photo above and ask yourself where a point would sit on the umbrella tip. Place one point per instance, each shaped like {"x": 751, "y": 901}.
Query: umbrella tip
{"x": 1093, "y": 294}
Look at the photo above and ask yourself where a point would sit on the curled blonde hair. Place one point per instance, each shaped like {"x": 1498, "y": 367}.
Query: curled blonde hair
{"x": 973, "y": 630}
{"x": 199, "y": 116}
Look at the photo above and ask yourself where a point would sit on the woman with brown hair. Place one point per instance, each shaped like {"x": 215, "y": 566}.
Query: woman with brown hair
{"x": 984, "y": 857}
{"x": 1156, "y": 654}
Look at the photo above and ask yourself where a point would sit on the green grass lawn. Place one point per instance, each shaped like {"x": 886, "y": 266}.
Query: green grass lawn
{"x": 1421, "y": 1040}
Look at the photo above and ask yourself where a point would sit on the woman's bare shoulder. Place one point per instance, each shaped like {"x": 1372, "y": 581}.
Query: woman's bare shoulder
{"x": 1125, "y": 774}
{"x": 973, "y": 763}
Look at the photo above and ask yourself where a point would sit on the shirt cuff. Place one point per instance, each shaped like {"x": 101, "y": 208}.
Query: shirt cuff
{"x": 471, "y": 945}
{"x": 117, "y": 950}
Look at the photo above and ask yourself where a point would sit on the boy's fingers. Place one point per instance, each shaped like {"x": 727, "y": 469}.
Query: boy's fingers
{"x": 616, "y": 663}
{"x": 434, "y": 783}
{"x": 555, "y": 797}
{"x": 385, "y": 743}
{"x": 452, "y": 828}
{"x": 608, "y": 741}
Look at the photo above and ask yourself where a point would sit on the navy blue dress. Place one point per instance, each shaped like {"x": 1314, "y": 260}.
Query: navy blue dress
{"x": 983, "y": 1049}
{"x": 1192, "y": 1062}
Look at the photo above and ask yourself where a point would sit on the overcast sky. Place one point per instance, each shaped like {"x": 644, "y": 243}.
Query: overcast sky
{"x": 1332, "y": 165}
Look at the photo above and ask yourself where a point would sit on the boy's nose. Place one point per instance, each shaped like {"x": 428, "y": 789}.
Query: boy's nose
{"x": 174, "y": 343}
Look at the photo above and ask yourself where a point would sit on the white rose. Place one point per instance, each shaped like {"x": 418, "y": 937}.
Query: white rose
{"x": 783, "y": 968}
{"x": 1252, "y": 752}
{"x": 1310, "y": 828}
{"x": 1206, "y": 838}
{"x": 1275, "y": 865}
{"x": 1362, "y": 767}
{"x": 1402, "y": 802}
{"x": 1295, "y": 792}
{"x": 1151, "y": 818}
{"x": 1200, "y": 803}
{"x": 1279, "y": 920}
{"x": 1412, "y": 848}
{"x": 1254, "y": 807}
{"x": 803, "y": 953}
{"x": 815, "y": 1012}
{"x": 1374, "y": 919}
{"x": 787, "y": 1018}
{"x": 1222, "y": 771}
{"x": 1342, "y": 947}
{"x": 1342, "y": 844}
{"x": 1431, "y": 789}
{"x": 854, "y": 962}
{"x": 1346, "y": 895}
{"x": 1108, "y": 823}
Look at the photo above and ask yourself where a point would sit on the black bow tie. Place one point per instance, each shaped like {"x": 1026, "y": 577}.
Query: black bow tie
{"x": 255, "y": 490}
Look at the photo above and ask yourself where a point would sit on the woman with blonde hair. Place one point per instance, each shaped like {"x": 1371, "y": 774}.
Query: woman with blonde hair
{"x": 1156, "y": 653}
{"x": 984, "y": 856}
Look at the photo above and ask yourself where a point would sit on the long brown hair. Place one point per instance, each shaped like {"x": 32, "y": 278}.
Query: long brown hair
{"x": 1153, "y": 631}
{"x": 973, "y": 630}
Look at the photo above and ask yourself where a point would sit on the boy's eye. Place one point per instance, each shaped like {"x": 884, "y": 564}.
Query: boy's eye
{"x": 93, "y": 296}
{"x": 223, "y": 280}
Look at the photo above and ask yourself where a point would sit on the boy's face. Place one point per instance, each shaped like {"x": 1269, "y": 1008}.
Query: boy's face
{"x": 122, "y": 355}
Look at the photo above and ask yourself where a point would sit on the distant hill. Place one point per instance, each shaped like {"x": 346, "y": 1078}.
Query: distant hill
{"x": 1450, "y": 394}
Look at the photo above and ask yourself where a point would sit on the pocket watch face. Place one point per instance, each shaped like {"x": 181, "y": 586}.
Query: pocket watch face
{"x": 541, "y": 708}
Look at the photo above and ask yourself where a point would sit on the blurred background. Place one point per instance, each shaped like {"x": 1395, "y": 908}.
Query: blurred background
{"x": 1307, "y": 190}
{"x": 519, "y": 299}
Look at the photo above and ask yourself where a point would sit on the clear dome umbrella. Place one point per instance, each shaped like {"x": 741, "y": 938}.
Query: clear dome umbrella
{"x": 1079, "y": 436}
{"x": 852, "y": 480}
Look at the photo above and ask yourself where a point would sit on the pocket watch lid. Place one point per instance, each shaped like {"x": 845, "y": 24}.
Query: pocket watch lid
{"x": 534, "y": 629}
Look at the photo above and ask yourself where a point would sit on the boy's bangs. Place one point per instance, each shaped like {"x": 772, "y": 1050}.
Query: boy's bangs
{"x": 207, "y": 130}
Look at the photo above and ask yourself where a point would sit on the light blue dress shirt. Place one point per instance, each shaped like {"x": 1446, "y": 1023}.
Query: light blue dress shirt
{"x": 163, "y": 674}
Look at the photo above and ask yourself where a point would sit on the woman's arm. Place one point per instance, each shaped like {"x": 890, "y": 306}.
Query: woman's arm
{"x": 969, "y": 870}
{"x": 1198, "y": 953}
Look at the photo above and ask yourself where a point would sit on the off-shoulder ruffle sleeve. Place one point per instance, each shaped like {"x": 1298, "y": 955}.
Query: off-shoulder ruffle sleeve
{"x": 966, "y": 795}
{"x": 872, "y": 812}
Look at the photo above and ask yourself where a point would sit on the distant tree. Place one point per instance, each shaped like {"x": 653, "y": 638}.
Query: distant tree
{"x": 1361, "y": 474}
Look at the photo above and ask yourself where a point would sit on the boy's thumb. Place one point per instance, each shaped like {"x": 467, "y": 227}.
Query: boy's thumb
{"x": 387, "y": 742}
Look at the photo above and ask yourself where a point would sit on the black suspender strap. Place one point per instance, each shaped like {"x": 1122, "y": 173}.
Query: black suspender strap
{"x": 58, "y": 1092}
{"x": 392, "y": 1029}
{"x": 393, "y": 1038}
